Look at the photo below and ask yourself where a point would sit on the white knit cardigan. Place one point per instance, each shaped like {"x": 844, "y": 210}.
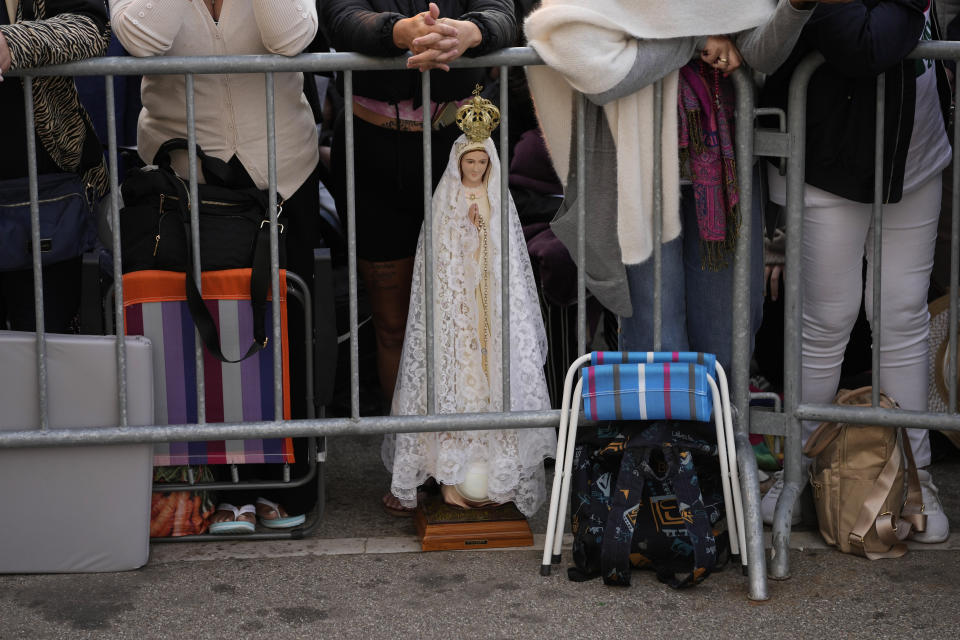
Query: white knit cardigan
{"x": 590, "y": 46}
{"x": 231, "y": 108}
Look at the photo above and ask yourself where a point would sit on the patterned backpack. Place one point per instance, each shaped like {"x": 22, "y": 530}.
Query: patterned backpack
{"x": 646, "y": 495}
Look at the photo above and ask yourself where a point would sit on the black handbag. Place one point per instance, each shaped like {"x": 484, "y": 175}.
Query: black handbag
{"x": 67, "y": 227}
{"x": 234, "y": 233}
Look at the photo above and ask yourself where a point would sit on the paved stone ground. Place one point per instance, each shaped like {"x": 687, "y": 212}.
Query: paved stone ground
{"x": 477, "y": 594}
{"x": 360, "y": 576}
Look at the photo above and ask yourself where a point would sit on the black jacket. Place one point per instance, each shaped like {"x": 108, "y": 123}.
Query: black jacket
{"x": 859, "y": 41}
{"x": 366, "y": 26}
{"x": 56, "y": 32}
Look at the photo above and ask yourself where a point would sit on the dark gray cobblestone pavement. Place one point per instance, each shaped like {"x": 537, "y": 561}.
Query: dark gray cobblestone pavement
{"x": 359, "y": 577}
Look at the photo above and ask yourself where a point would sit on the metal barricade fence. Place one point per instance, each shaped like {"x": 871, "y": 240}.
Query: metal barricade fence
{"x": 791, "y": 145}
{"x": 348, "y": 63}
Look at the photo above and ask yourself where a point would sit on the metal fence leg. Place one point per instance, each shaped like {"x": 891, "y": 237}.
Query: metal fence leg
{"x": 753, "y": 523}
{"x": 742, "y": 341}
{"x": 792, "y": 320}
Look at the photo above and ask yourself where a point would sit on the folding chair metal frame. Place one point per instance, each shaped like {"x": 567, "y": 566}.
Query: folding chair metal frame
{"x": 316, "y": 448}
{"x": 566, "y": 441}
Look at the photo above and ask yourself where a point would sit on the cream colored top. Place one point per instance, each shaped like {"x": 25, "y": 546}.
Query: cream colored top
{"x": 230, "y": 109}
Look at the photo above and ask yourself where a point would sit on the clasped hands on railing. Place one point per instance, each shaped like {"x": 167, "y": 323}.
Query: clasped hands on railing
{"x": 434, "y": 41}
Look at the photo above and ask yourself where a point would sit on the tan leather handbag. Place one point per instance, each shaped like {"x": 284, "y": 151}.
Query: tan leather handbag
{"x": 857, "y": 475}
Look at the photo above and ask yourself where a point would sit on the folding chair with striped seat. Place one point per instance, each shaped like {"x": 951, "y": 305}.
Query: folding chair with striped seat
{"x": 155, "y": 307}
{"x": 645, "y": 386}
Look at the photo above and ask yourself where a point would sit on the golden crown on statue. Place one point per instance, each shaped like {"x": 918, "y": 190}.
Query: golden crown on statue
{"x": 478, "y": 117}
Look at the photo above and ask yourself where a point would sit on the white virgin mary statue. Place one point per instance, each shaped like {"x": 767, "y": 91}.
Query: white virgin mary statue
{"x": 473, "y": 468}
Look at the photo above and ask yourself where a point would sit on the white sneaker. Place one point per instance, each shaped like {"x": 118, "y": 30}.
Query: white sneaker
{"x": 938, "y": 529}
{"x": 768, "y": 504}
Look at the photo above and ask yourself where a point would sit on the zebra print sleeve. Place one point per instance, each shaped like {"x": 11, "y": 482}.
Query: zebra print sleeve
{"x": 65, "y": 37}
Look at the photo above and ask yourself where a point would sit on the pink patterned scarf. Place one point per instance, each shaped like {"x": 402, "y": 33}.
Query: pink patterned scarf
{"x": 708, "y": 160}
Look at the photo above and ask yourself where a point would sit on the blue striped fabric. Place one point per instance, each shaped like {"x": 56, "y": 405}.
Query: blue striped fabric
{"x": 708, "y": 360}
{"x": 658, "y": 391}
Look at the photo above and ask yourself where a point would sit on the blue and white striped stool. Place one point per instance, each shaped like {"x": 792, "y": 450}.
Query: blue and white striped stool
{"x": 654, "y": 385}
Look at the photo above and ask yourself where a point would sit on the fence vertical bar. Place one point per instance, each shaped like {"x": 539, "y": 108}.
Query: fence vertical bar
{"x": 792, "y": 318}
{"x": 954, "y": 267}
{"x": 878, "y": 197}
{"x": 117, "y": 258}
{"x": 195, "y": 237}
{"x": 657, "y": 215}
{"x": 505, "y": 223}
{"x": 428, "y": 266}
{"x": 581, "y": 227}
{"x": 41, "y": 346}
{"x": 274, "y": 247}
{"x": 351, "y": 244}
{"x": 743, "y": 292}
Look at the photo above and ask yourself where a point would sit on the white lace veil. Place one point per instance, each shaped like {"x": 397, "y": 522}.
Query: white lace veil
{"x": 514, "y": 457}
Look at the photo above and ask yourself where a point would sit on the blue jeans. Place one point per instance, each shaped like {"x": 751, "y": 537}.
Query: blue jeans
{"x": 697, "y": 303}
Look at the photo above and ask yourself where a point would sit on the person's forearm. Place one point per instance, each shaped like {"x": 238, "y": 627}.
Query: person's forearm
{"x": 351, "y": 25}
{"x": 497, "y": 25}
{"x": 286, "y": 26}
{"x": 863, "y": 41}
{"x": 4, "y": 54}
{"x": 148, "y": 27}
{"x": 766, "y": 47}
{"x": 63, "y": 38}
{"x": 655, "y": 59}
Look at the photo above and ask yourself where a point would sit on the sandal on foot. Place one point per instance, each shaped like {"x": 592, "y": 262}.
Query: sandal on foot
{"x": 240, "y": 523}
{"x": 399, "y": 511}
{"x": 272, "y": 516}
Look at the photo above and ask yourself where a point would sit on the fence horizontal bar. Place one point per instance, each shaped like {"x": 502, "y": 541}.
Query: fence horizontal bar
{"x": 333, "y": 61}
{"x": 768, "y": 422}
{"x": 878, "y": 416}
{"x": 771, "y": 143}
{"x": 279, "y": 429}
{"x": 936, "y": 49}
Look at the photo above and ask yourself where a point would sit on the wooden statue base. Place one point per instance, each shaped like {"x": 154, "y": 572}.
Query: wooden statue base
{"x": 443, "y": 527}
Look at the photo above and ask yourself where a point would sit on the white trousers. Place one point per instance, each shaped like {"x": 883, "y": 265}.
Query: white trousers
{"x": 837, "y": 233}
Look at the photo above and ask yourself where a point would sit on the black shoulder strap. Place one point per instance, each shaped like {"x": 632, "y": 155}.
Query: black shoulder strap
{"x": 686, "y": 486}
{"x": 259, "y": 285}
{"x": 622, "y": 519}
{"x": 215, "y": 170}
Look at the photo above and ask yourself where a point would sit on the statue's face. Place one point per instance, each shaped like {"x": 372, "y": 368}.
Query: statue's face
{"x": 473, "y": 166}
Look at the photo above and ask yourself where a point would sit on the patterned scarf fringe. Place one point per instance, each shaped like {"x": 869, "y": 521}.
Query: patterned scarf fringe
{"x": 715, "y": 178}
{"x": 715, "y": 255}
{"x": 695, "y": 131}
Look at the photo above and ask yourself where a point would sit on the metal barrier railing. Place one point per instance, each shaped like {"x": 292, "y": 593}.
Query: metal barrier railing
{"x": 355, "y": 424}
{"x": 792, "y": 146}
